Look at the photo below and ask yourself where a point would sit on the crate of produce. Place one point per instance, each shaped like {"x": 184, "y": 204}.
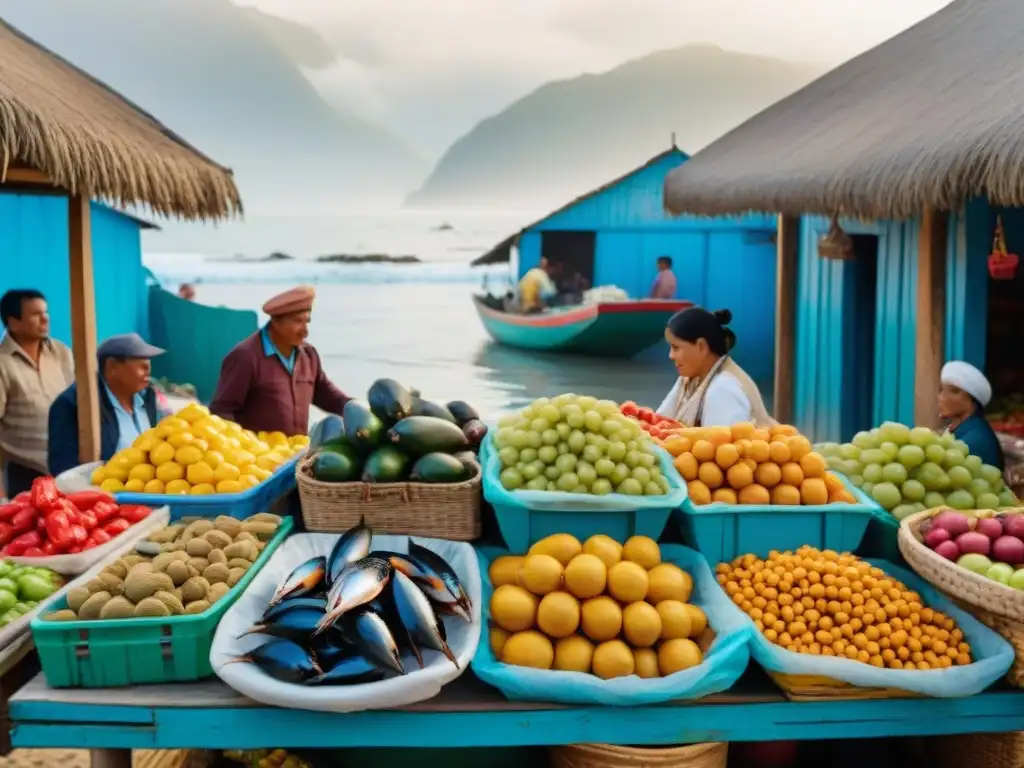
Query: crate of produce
{"x": 574, "y": 464}
{"x": 830, "y": 625}
{"x": 557, "y": 630}
{"x": 403, "y": 464}
{"x": 148, "y": 613}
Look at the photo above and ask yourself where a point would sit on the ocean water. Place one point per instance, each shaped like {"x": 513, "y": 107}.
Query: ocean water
{"x": 414, "y": 323}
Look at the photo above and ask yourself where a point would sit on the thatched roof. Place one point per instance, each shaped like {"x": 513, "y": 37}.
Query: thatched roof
{"x": 927, "y": 119}
{"x": 502, "y": 252}
{"x": 92, "y": 141}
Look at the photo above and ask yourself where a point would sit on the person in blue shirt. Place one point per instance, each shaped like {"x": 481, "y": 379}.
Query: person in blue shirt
{"x": 127, "y": 402}
{"x": 963, "y": 395}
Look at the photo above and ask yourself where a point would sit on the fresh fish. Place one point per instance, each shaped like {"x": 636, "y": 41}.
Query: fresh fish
{"x": 352, "y": 545}
{"x": 418, "y": 617}
{"x": 450, "y": 609}
{"x": 368, "y": 633}
{"x": 329, "y": 647}
{"x": 438, "y": 580}
{"x": 296, "y": 624}
{"x": 357, "y": 584}
{"x": 283, "y": 660}
{"x": 290, "y": 603}
{"x": 303, "y": 580}
{"x": 385, "y": 606}
{"x": 349, "y": 670}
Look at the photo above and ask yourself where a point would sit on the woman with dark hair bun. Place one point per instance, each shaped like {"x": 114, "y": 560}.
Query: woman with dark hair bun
{"x": 712, "y": 390}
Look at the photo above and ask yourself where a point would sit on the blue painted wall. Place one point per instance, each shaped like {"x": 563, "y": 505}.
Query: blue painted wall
{"x": 34, "y": 254}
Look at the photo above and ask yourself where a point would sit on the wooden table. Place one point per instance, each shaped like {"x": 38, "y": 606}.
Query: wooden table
{"x": 209, "y": 715}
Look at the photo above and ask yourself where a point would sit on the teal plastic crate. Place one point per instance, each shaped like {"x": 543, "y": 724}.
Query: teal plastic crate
{"x": 117, "y": 652}
{"x": 525, "y": 517}
{"x": 721, "y": 532}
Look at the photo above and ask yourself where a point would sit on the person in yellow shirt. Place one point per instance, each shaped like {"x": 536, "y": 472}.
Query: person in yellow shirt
{"x": 537, "y": 288}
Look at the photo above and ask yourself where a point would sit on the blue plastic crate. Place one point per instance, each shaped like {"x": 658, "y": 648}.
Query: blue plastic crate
{"x": 721, "y": 532}
{"x": 525, "y": 517}
{"x": 259, "y": 498}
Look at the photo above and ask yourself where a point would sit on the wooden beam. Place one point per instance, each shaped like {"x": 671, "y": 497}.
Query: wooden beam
{"x": 930, "y": 347}
{"x": 27, "y": 176}
{"x": 787, "y": 254}
{"x": 83, "y": 327}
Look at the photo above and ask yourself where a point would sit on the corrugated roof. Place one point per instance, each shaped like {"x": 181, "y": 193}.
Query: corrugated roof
{"x": 92, "y": 141}
{"x": 929, "y": 118}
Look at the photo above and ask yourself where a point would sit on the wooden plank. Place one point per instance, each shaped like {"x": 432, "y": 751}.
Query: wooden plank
{"x": 786, "y": 288}
{"x": 83, "y": 327}
{"x": 27, "y": 176}
{"x": 930, "y": 346}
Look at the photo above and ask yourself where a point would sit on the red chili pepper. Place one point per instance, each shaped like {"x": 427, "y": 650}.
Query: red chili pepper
{"x": 32, "y": 552}
{"x": 25, "y": 498}
{"x": 134, "y": 513}
{"x": 44, "y": 492}
{"x": 30, "y": 539}
{"x": 58, "y": 529}
{"x": 24, "y": 521}
{"x": 87, "y": 519}
{"x": 7, "y": 511}
{"x": 116, "y": 527}
{"x": 75, "y": 549}
{"x": 78, "y": 534}
{"x": 97, "y": 537}
{"x": 104, "y": 511}
{"x": 88, "y": 499}
{"x": 49, "y": 549}
{"x": 6, "y": 533}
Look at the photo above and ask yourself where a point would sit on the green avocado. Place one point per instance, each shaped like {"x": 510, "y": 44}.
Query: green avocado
{"x": 385, "y": 465}
{"x": 438, "y": 468}
{"x": 362, "y": 428}
{"x": 421, "y": 407}
{"x": 335, "y": 467}
{"x": 327, "y": 429}
{"x": 420, "y": 435}
{"x": 389, "y": 400}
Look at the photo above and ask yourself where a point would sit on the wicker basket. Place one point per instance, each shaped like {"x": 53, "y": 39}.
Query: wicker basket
{"x": 819, "y": 688}
{"x": 978, "y": 750}
{"x": 709, "y": 755}
{"x": 439, "y": 511}
{"x": 999, "y": 607}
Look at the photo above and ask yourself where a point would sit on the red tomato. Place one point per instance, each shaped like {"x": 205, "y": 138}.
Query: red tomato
{"x": 629, "y": 408}
{"x": 134, "y": 513}
{"x": 646, "y": 414}
{"x": 88, "y": 499}
{"x": 117, "y": 526}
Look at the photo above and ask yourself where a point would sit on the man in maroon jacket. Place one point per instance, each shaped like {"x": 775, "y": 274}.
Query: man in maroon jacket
{"x": 269, "y": 380}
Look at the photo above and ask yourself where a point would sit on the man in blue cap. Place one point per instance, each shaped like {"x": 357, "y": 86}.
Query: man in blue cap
{"x": 127, "y": 402}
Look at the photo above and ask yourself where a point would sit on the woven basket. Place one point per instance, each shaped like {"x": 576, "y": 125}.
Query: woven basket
{"x": 999, "y": 607}
{"x": 819, "y": 688}
{"x": 978, "y": 750}
{"x": 709, "y": 755}
{"x": 438, "y": 511}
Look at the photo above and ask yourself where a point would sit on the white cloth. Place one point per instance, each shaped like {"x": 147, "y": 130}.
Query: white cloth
{"x": 725, "y": 403}
{"x": 965, "y": 376}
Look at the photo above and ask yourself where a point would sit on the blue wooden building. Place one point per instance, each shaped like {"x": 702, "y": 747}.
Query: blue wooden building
{"x": 614, "y": 235}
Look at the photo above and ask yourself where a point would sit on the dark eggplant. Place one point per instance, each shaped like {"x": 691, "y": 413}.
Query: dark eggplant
{"x": 475, "y": 431}
{"x": 352, "y": 545}
{"x": 362, "y": 427}
{"x": 420, "y": 435}
{"x": 283, "y": 660}
{"x": 389, "y": 400}
{"x": 422, "y": 407}
{"x": 462, "y": 411}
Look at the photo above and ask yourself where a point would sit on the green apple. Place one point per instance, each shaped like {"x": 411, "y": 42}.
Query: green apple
{"x": 976, "y": 563}
{"x": 1017, "y": 580}
{"x": 1000, "y": 572}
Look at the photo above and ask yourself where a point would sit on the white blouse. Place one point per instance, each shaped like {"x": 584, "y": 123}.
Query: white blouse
{"x": 725, "y": 402}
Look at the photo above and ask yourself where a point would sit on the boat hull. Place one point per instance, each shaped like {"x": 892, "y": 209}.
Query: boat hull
{"x": 610, "y": 329}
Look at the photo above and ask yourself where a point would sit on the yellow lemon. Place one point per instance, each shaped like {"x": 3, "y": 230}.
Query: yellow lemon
{"x": 528, "y": 649}
{"x": 132, "y": 456}
{"x": 178, "y": 487}
{"x": 161, "y": 431}
{"x": 276, "y": 438}
{"x": 110, "y": 485}
{"x": 540, "y": 574}
{"x": 193, "y": 412}
{"x": 248, "y": 481}
{"x": 173, "y": 423}
{"x": 188, "y": 454}
{"x": 258, "y": 472}
{"x": 143, "y": 472}
{"x": 135, "y": 486}
{"x": 199, "y": 473}
{"x": 269, "y": 461}
{"x": 161, "y": 453}
{"x": 678, "y": 654}
{"x": 225, "y": 471}
{"x": 627, "y": 581}
{"x": 242, "y": 458}
{"x": 202, "y": 489}
{"x": 641, "y": 624}
{"x": 643, "y": 550}
{"x": 585, "y": 576}
{"x": 299, "y": 440}
{"x": 206, "y": 422}
{"x": 154, "y": 486}
{"x": 98, "y": 476}
{"x": 115, "y": 472}
{"x": 234, "y": 443}
{"x": 498, "y": 637}
{"x": 230, "y": 486}
{"x": 668, "y": 582}
{"x": 146, "y": 441}
{"x": 201, "y": 444}
{"x": 573, "y": 654}
{"x": 169, "y": 471}
{"x": 645, "y": 663}
{"x": 613, "y": 658}
{"x": 604, "y": 547}
{"x": 232, "y": 427}
{"x": 513, "y": 608}
{"x": 218, "y": 443}
{"x": 558, "y": 615}
{"x": 178, "y": 439}
{"x": 213, "y": 458}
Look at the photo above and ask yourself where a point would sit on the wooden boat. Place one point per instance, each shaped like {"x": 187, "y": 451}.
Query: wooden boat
{"x": 607, "y": 329}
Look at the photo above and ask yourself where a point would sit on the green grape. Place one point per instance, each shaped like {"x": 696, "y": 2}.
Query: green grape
{"x": 537, "y": 484}
{"x": 592, "y": 453}
{"x": 506, "y": 421}
{"x": 604, "y": 467}
{"x": 552, "y": 472}
{"x": 503, "y": 438}
{"x": 577, "y": 442}
{"x": 632, "y": 458}
{"x": 585, "y": 472}
{"x": 531, "y": 471}
{"x": 616, "y": 451}
{"x": 509, "y": 456}
{"x": 519, "y": 439}
{"x": 563, "y": 430}
{"x": 566, "y": 462}
{"x": 647, "y": 459}
{"x": 563, "y": 448}
{"x": 653, "y": 489}
{"x": 547, "y": 454}
{"x": 567, "y": 481}
{"x": 607, "y": 408}
{"x": 539, "y": 425}
{"x": 620, "y": 473}
{"x": 630, "y": 487}
{"x": 528, "y": 455}
{"x": 642, "y": 475}
{"x": 533, "y": 440}
{"x": 601, "y": 487}
{"x": 609, "y": 428}
{"x": 586, "y": 402}
{"x": 550, "y": 414}
{"x": 592, "y": 421}
{"x": 510, "y": 479}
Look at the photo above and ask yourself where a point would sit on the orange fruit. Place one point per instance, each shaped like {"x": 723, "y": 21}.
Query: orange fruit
{"x": 723, "y": 496}
{"x": 792, "y": 474}
{"x": 833, "y": 483}
{"x": 699, "y": 493}
{"x": 687, "y": 466}
{"x": 677, "y": 445}
{"x": 710, "y": 474}
{"x": 786, "y": 430}
{"x": 739, "y": 476}
{"x": 761, "y": 434}
{"x": 719, "y": 435}
{"x": 778, "y": 451}
{"x": 751, "y": 463}
{"x": 786, "y": 495}
{"x": 754, "y": 494}
{"x": 813, "y": 464}
{"x": 799, "y": 446}
{"x": 742, "y": 446}
{"x": 759, "y": 451}
{"x": 813, "y": 492}
{"x": 768, "y": 474}
{"x": 742, "y": 430}
{"x": 726, "y": 455}
{"x": 703, "y": 450}
{"x": 841, "y": 497}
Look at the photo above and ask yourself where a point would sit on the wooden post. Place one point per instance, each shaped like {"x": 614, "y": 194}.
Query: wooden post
{"x": 83, "y": 327}
{"x": 930, "y": 347}
{"x": 787, "y": 252}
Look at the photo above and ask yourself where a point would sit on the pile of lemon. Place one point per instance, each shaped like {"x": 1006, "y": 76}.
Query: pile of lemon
{"x": 194, "y": 452}
{"x": 599, "y": 607}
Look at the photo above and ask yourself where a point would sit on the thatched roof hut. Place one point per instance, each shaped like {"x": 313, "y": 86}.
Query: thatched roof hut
{"x": 90, "y": 141}
{"x": 925, "y": 120}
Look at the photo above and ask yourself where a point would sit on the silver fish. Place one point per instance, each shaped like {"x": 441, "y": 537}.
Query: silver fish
{"x": 352, "y": 545}
{"x": 418, "y": 617}
{"x": 357, "y": 584}
{"x": 369, "y": 634}
{"x": 303, "y": 580}
{"x": 438, "y": 580}
{"x": 349, "y": 670}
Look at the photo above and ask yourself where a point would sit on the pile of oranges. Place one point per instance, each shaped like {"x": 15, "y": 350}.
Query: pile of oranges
{"x": 746, "y": 465}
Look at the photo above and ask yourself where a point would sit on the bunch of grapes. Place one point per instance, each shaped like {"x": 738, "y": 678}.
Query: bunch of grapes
{"x": 577, "y": 444}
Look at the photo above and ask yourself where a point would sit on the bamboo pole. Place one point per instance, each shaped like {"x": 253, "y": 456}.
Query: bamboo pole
{"x": 930, "y": 346}
{"x": 83, "y": 327}
{"x": 787, "y": 254}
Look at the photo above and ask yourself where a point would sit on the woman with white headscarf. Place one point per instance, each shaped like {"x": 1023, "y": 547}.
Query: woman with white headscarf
{"x": 962, "y": 399}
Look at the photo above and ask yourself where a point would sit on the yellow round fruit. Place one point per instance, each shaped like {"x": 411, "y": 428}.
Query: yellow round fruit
{"x": 193, "y": 412}
{"x": 143, "y": 472}
{"x": 505, "y": 570}
{"x": 146, "y": 441}
{"x": 115, "y": 472}
{"x": 112, "y": 485}
{"x": 558, "y": 614}
{"x": 641, "y": 624}
{"x": 225, "y": 471}
{"x": 698, "y": 621}
{"x": 528, "y": 649}
{"x": 562, "y": 546}
{"x": 202, "y": 489}
{"x": 642, "y": 550}
{"x": 129, "y": 457}
{"x": 601, "y": 618}
{"x": 513, "y": 608}
{"x": 178, "y": 439}
{"x": 161, "y": 453}
{"x": 299, "y": 441}
{"x": 154, "y": 486}
{"x": 675, "y": 620}
{"x": 269, "y": 461}
{"x": 242, "y": 458}
{"x": 214, "y": 458}
{"x": 98, "y": 476}
{"x": 498, "y": 637}
{"x": 541, "y": 574}
{"x": 668, "y": 582}
{"x": 677, "y": 655}
{"x": 230, "y": 486}
{"x": 258, "y": 472}
{"x": 247, "y": 481}
{"x": 573, "y": 654}
{"x": 170, "y": 471}
{"x": 645, "y": 663}
{"x": 627, "y": 582}
{"x": 199, "y": 473}
{"x": 134, "y": 486}
{"x": 188, "y": 454}
{"x": 612, "y": 659}
{"x": 177, "y": 487}
{"x": 604, "y": 547}
{"x": 585, "y": 576}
